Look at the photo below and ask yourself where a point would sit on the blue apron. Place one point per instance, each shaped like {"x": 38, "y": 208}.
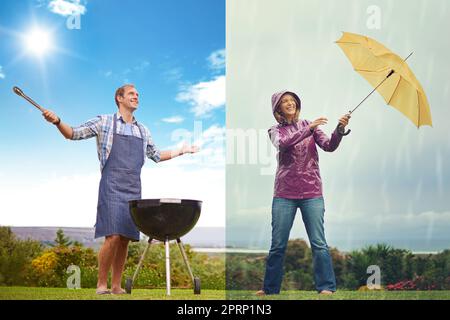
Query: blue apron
{"x": 120, "y": 183}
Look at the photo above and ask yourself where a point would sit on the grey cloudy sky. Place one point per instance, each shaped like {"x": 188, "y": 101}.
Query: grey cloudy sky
{"x": 388, "y": 181}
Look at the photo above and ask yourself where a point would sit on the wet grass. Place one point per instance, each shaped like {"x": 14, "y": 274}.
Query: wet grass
{"x": 343, "y": 295}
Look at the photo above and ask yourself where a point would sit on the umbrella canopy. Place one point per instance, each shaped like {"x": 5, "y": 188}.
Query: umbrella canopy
{"x": 389, "y": 74}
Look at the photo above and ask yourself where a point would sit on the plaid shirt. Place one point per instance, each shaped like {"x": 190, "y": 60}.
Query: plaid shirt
{"x": 101, "y": 127}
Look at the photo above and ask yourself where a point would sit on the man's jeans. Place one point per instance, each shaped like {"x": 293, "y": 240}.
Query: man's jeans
{"x": 283, "y": 214}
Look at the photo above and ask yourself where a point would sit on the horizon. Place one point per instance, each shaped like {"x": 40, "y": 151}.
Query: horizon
{"x": 339, "y": 244}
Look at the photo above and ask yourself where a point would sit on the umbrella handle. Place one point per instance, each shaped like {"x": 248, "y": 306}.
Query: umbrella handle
{"x": 341, "y": 131}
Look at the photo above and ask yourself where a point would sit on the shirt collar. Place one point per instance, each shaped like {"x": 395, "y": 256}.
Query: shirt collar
{"x": 119, "y": 117}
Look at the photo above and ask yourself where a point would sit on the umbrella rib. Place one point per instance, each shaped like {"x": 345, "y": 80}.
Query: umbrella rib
{"x": 395, "y": 91}
{"x": 347, "y": 42}
{"x": 418, "y": 110}
{"x": 371, "y": 71}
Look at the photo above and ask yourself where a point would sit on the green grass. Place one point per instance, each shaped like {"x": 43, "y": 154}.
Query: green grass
{"x": 343, "y": 295}
{"x": 31, "y": 293}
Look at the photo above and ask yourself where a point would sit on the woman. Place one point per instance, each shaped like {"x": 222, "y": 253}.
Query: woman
{"x": 298, "y": 185}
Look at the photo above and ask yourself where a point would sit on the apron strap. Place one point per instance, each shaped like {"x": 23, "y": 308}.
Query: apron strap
{"x": 143, "y": 138}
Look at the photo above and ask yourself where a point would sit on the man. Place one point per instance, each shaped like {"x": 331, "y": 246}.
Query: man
{"x": 122, "y": 144}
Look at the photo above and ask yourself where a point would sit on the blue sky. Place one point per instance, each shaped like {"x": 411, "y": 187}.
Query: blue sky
{"x": 173, "y": 51}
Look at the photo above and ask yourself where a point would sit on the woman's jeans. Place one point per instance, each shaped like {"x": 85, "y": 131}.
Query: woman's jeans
{"x": 283, "y": 214}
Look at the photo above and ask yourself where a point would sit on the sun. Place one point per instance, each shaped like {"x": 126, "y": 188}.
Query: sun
{"x": 38, "y": 41}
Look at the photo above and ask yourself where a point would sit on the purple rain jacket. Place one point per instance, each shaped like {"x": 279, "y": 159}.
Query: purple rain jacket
{"x": 298, "y": 175}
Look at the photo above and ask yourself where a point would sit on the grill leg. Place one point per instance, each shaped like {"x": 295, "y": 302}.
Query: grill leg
{"x": 141, "y": 261}
{"x": 167, "y": 266}
{"x": 195, "y": 281}
{"x": 186, "y": 262}
{"x": 129, "y": 282}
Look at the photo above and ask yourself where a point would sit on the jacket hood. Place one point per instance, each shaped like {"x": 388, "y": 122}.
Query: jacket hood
{"x": 277, "y": 96}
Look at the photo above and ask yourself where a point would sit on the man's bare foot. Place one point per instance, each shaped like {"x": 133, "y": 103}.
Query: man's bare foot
{"x": 260, "y": 293}
{"x": 326, "y": 292}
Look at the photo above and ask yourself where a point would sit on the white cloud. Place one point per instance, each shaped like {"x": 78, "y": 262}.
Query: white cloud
{"x": 71, "y": 201}
{"x": 173, "y": 74}
{"x": 174, "y": 119}
{"x": 204, "y": 96}
{"x": 211, "y": 142}
{"x": 127, "y": 72}
{"x": 214, "y": 132}
{"x": 142, "y": 66}
{"x": 217, "y": 59}
{"x": 2, "y": 74}
{"x": 213, "y": 138}
{"x": 167, "y": 180}
{"x": 62, "y": 201}
{"x": 67, "y": 7}
{"x": 391, "y": 219}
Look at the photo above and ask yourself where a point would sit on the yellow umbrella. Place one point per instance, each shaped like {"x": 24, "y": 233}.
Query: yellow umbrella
{"x": 389, "y": 74}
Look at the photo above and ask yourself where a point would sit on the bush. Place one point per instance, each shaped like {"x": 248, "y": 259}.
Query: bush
{"x": 15, "y": 257}
{"x": 43, "y": 270}
{"x": 50, "y": 269}
{"x": 298, "y": 266}
{"x": 400, "y": 269}
{"x": 298, "y": 280}
{"x": 429, "y": 273}
{"x": 402, "y": 285}
{"x": 24, "y": 262}
{"x": 441, "y": 270}
{"x": 210, "y": 269}
{"x": 395, "y": 265}
{"x": 244, "y": 271}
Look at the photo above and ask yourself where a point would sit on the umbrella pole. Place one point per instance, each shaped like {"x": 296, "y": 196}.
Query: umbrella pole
{"x": 379, "y": 85}
{"x": 351, "y": 111}
{"x": 389, "y": 74}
